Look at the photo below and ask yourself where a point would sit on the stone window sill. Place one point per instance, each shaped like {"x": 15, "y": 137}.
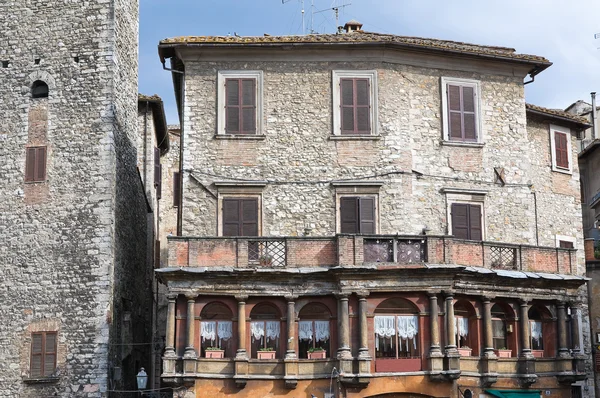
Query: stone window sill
{"x": 249, "y": 137}
{"x": 463, "y": 144}
{"x": 354, "y": 137}
{"x": 41, "y": 380}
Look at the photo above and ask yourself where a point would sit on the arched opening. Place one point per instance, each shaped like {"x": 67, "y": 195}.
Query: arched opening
{"x": 265, "y": 331}
{"x": 502, "y": 328}
{"x": 468, "y": 393}
{"x": 216, "y": 331}
{"x": 39, "y": 89}
{"x": 397, "y": 342}
{"x": 541, "y": 331}
{"x": 465, "y": 326}
{"x": 314, "y": 331}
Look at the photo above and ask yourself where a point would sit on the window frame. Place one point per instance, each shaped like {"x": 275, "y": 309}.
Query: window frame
{"x": 43, "y": 354}
{"x": 37, "y": 149}
{"x": 338, "y": 206}
{"x": 398, "y": 341}
{"x": 444, "y": 82}
{"x": 231, "y": 190}
{"x": 566, "y": 131}
{"x": 222, "y": 77}
{"x": 458, "y": 196}
{"x": 564, "y": 238}
{"x": 256, "y": 198}
{"x": 337, "y": 76}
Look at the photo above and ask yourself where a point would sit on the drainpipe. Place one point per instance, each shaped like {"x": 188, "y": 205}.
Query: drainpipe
{"x": 594, "y": 120}
{"x": 145, "y": 146}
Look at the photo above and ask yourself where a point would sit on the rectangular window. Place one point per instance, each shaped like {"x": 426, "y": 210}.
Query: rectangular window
{"x": 43, "y": 354}
{"x": 240, "y": 217}
{"x": 466, "y": 221}
{"x": 565, "y": 244}
{"x": 355, "y": 103}
{"x": 239, "y": 103}
{"x": 357, "y": 215}
{"x": 499, "y": 334}
{"x": 35, "y": 164}
{"x": 460, "y": 105}
{"x": 176, "y": 189}
{"x": 560, "y": 147}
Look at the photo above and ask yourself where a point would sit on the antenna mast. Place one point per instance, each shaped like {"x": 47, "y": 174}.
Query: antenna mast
{"x": 335, "y": 9}
{"x": 303, "y": 24}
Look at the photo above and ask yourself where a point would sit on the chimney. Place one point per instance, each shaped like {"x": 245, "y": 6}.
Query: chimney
{"x": 352, "y": 26}
{"x": 594, "y": 118}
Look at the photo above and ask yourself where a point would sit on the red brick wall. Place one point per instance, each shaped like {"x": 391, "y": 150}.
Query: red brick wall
{"x": 311, "y": 253}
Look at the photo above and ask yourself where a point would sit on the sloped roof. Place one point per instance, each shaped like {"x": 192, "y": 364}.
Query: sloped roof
{"x": 558, "y": 114}
{"x": 160, "y": 121}
{"x": 354, "y": 38}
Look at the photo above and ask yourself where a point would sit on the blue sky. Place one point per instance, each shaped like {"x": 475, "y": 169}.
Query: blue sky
{"x": 551, "y": 28}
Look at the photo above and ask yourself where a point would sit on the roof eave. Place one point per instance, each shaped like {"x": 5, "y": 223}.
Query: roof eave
{"x": 160, "y": 122}
{"x": 580, "y": 126}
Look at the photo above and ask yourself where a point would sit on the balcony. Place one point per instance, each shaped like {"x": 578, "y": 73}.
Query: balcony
{"x": 379, "y": 251}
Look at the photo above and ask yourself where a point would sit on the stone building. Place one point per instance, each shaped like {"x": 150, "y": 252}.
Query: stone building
{"x": 371, "y": 215}
{"x": 76, "y": 282}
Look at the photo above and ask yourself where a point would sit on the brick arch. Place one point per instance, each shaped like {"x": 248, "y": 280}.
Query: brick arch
{"x": 43, "y": 76}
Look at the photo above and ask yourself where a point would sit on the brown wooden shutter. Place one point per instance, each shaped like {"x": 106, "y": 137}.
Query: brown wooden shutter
{"x": 462, "y": 118}
{"x": 469, "y": 124}
{"x": 460, "y": 220}
{"x": 249, "y": 216}
{"x": 159, "y": 186}
{"x": 355, "y": 104}
{"x": 156, "y": 166}
{"x": 30, "y": 164}
{"x": 454, "y": 112}
{"x": 232, "y": 106}
{"x": 176, "y": 189}
{"x": 240, "y": 217}
{"x": 561, "y": 150}
{"x": 363, "y": 106}
{"x": 231, "y": 217}
{"x": 475, "y": 222}
{"x": 349, "y": 215}
{"x": 240, "y": 106}
{"x": 565, "y": 244}
{"x": 248, "y": 109}
{"x": 50, "y": 353}
{"x": 367, "y": 215}
{"x": 37, "y": 355}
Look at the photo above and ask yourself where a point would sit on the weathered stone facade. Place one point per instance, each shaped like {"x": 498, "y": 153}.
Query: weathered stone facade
{"x": 297, "y": 167}
{"x": 74, "y": 245}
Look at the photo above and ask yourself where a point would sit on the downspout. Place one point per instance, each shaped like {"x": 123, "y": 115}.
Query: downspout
{"x": 145, "y": 145}
{"x": 530, "y": 81}
{"x": 594, "y": 120}
{"x": 535, "y": 207}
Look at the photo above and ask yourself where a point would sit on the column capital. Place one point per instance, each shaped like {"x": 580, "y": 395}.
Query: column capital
{"x": 291, "y": 297}
{"x": 561, "y": 304}
{"x": 241, "y": 297}
{"x": 433, "y": 294}
{"x": 488, "y": 298}
{"x": 448, "y": 294}
{"x": 172, "y": 296}
{"x": 342, "y": 296}
{"x": 191, "y": 296}
{"x": 363, "y": 294}
{"x": 524, "y": 301}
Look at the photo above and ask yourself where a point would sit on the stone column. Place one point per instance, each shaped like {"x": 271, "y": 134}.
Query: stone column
{"x": 190, "y": 351}
{"x": 525, "y": 329}
{"x": 291, "y": 323}
{"x": 343, "y": 328}
{"x": 241, "y": 351}
{"x": 434, "y": 322}
{"x": 170, "y": 340}
{"x": 450, "y": 327}
{"x": 363, "y": 350}
{"x": 561, "y": 328}
{"x": 575, "y": 325}
{"x": 488, "y": 335}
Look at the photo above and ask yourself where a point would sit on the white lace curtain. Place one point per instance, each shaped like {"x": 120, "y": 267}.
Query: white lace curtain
{"x": 321, "y": 332}
{"x": 210, "y": 331}
{"x": 260, "y": 329}
{"x": 407, "y": 327}
{"x": 305, "y": 331}
{"x": 536, "y": 330}
{"x": 225, "y": 330}
{"x": 461, "y": 326}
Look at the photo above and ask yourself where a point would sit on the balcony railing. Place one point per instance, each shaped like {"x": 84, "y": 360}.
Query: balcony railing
{"x": 359, "y": 250}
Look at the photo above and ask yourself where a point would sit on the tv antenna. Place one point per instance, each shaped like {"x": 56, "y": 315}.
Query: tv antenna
{"x": 336, "y": 10}
{"x": 302, "y": 3}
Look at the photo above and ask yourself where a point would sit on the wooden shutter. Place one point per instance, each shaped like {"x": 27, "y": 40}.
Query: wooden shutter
{"x": 366, "y": 207}
{"x": 475, "y": 232}
{"x": 248, "y": 106}
{"x": 355, "y": 106}
{"x": 462, "y": 119}
{"x": 231, "y": 217}
{"x": 249, "y": 217}
{"x": 30, "y": 164}
{"x": 159, "y": 186}
{"x": 156, "y": 166}
{"x": 232, "y": 106}
{"x": 176, "y": 189}
{"x": 565, "y": 244}
{"x": 49, "y": 353}
{"x": 349, "y": 215}
{"x": 35, "y": 164}
{"x": 240, "y": 217}
{"x": 240, "y": 106}
{"x": 561, "y": 150}
{"x": 37, "y": 355}
{"x": 466, "y": 221}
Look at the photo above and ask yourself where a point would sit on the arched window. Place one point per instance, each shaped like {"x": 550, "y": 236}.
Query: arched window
{"x": 216, "y": 331}
{"x": 265, "y": 330}
{"x": 541, "y": 331}
{"x": 314, "y": 331}
{"x": 499, "y": 327}
{"x": 464, "y": 313}
{"x": 396, "y": 330}
{"x": 39, "y": 89}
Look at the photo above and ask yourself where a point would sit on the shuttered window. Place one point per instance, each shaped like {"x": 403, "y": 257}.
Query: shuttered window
{"x": 565, "y": 244}
{"x": 462, "y": 112}
{"x": 176, "y": 189}
{"x": 35, "y": 164}
{"x": 561, "y": 149}
{"x": 240, "y": 106}
{"x": 157, "y": 173}
{"x": 43, "y": 354}
{"x": 355, "y": 104}
{"x": 240, "y": 217}
{"x": 357, "y": 215}
{"x": 466, "y": 221}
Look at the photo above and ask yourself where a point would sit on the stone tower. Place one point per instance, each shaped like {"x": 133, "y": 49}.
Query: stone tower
{"x": 75, "y": 284}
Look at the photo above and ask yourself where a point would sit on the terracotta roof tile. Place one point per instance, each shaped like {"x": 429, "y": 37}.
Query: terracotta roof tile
{"x": 559, "y": 114}
{"x": 357, "y": 38}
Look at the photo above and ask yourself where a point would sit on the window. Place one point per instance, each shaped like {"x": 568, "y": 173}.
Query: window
{"x": 466, "y": 221}
{"x": 537, "y": 328}
{"x": 396, "y": 330}
{"x": 239, "y": 102}
{"x": 35, "y": 164}
{"x": 560, "y": 146}
{"x": 314, "y": 330}
{"x": 355, "y": 103}
{"x": 357, "y": 215}
{"x": 264, "y": 329}
{"x": 462, "y": 315}
{"x": 39, "y": 89}
{"x": 240, "y": 216}
{"x": 565, "y": 242}
{"x": 176, "y": 189}
{"x": 157, "y": 173}
{"x": 43, "y": 354}
{"x": 216, "y": 329}
{"x": 499, "y": 328}
{"x": 461, "y": 110}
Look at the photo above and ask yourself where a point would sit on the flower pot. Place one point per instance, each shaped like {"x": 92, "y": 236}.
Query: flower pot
{"x": 214, "y": 354}
{"x": 265, "y": 354}
{"x": 317, "y": 354}
{"x": 538, "y": 353}
{"x": 465, "y": 352}
{"x": 504, "y": 353}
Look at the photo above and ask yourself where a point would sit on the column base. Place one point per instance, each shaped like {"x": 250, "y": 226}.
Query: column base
{"x": 241, "y": 354}
{"x": 344, "y": 353}
{"x": 291, "y": 355}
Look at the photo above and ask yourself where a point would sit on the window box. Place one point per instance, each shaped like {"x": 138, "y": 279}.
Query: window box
{"x": 320, "y": 354}
{"x": 214, "y": 354}
{"x": 265, "y": 354}
{"x": 503, "y": 353}
{"x": 465, "y": 351}
{"x": 538, "y": 353}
